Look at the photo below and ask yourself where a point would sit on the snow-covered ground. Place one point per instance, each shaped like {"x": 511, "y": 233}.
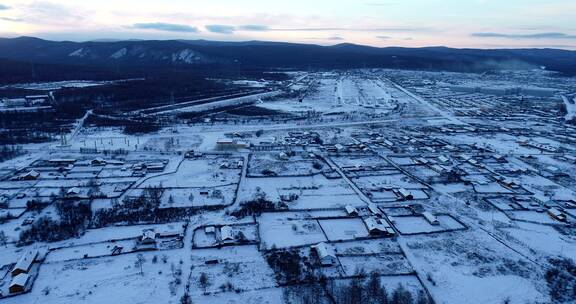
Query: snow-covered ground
{"x": 493, "y": 169}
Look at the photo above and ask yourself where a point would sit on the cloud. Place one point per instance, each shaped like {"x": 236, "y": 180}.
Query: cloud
{"x": 4, "y": 7}
{"x": 220, "y": 29}
{"x": 383, "y": 37}
{"x": 48, "y": 13}
{"x": 552, "y": 35}
{"x": 383, "y": 3}
{"x": 11, "y": 19}
{"x": 254, "y": 28}
{"x": 335, "y": 38}
{"x": 351, "y": 29}
{"x": 166, "y": 27}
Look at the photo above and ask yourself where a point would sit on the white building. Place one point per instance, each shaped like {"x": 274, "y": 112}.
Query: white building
{"x": 432, "y": 219}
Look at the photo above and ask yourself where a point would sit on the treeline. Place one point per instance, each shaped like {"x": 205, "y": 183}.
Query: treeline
{"x": 74, "y": 218}
{"x": 371, "y": 291}
{"x": 365, "y": 290}
{"x": 259, "y": 204}
{"x": 561, "y": 279}
{"x": 8, "y": 152}
{"x": 142, "y": 209}
{"x": 130, "y": 126}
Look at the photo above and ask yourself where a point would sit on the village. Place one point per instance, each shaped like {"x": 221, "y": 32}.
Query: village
{"x": 438, "y": 188}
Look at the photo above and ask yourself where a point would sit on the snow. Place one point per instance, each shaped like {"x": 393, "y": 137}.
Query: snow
{"x": 120, "y": 53}
{"x": 344, "y": 229}
{"x": 570, "y": 108}
{"x": 479, "y": 253}
{"x": 280, "y": 231}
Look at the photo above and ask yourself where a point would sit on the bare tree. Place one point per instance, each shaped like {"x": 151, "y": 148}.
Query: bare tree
{"x": 140, "y": 263}
{"x": 3, "y": 239}
{"x": 204, "y": 281}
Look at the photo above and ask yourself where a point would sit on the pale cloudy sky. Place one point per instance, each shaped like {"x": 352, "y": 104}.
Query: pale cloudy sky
{"x": 455, "y": 23}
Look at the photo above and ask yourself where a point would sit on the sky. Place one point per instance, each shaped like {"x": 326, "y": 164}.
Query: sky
{"x": 381, "y": 23}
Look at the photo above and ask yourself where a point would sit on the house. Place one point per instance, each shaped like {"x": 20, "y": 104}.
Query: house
{"x": 325, "y": 253}
{"x": 377, "y": 226}
{"x": 18, "y": 283}
{"x": 148, "y": 237}
{"x": 38, "y": 99}
{"x": 155, "y": 167}
{"x": 339, "y": 147}
{"x": 226, "y": 234}
{"x": 229, "y": 144}
{"x": 420, "y": 160}
{"x": 374, "y": 209}
{"x": 210, "y": 230}
{"x": 432, "y": 219}
{"x": 74, "y": 191}
{"x": 24, "y": 263}
{"x": 438, "y": 168}
{"x": 557, "y": 215}
{"x": 443, "y": 159}
{"x": 170, "y": 233}
{"x": 541, "y": 198}
{"x": 98, "y": 161}
{"x": 62, "y": 161}
{"x": 404, "y": 194}
{"x": 15, "y": 102}
{"x": 351, "y": 211}
{"x": 30, "y": 175}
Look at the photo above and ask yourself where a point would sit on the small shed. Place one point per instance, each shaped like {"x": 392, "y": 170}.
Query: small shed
{"x": 351, "y": 210}
{"x": 432, "y": 219}
{"x": 30, "y": 175}
{"x": 73, "y": 191}
{"x": 405, "y": 194}
{"x": 98, "y": 161}
{"x": 18, "y": 283}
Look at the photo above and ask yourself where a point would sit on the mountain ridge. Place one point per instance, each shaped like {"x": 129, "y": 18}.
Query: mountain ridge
{"x": 279, "y": 55}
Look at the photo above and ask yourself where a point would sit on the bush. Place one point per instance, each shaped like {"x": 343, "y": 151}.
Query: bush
{"x": 256, "y": 206}
{"x": 561, "y": 279}
{"x": 287, "y": 264}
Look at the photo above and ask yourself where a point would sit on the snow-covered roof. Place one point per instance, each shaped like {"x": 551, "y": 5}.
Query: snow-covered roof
{"x": 432, "y": 219}
{"x": 25, "y": 261}
{"x": 148, "y": 235}
{"x": 324, "y": 250}
{"x": 350, "y": 209}
{"x": 226, "y": 233}
{"x": 31, "y": 173}
{"x": 73, "y": 190}
{"x": 375, "y": 224}
{"x": 20, "y": 280}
